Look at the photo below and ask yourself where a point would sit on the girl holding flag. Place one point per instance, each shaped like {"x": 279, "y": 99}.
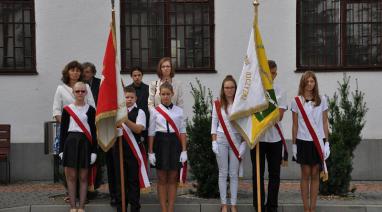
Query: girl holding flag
{"x": 226, "y": 143}
{"x": 310, "y": 137}
{"x": 78, "y": 144}
{"x": 167, "y": 146}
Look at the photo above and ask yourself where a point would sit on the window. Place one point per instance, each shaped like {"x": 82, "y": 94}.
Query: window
{"x": 17, "y": 37}
{"x": 339, "y": 34}
{"x": 180, "y": 29}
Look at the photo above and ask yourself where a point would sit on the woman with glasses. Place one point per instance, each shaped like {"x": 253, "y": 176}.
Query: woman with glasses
{"x": 166, "y": 73}
{"x": 227, "y": 143}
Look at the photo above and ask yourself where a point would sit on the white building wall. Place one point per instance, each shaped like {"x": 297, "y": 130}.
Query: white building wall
{"x": 78, "y": 29}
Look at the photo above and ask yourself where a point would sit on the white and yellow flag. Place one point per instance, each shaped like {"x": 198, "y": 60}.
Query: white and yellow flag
{"x": 255, "y": 106}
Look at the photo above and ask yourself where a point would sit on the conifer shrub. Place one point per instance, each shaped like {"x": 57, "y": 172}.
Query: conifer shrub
{"x": 202, "y": 160}
{"x": 347, "y": 111}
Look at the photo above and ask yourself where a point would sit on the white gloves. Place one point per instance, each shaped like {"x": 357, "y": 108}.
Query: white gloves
{"x": 242, "y": 149}
{"x": 215, "y": 147}
{"x": 294, "y": 151}
{"x": 152, "y": 159}
{"x": 183, "y": 156}
{"x": 119, "y": 132}
{"x": 61, "y": 155}
{"x": 326, "y": 150}
{"x": 93, "y": 158}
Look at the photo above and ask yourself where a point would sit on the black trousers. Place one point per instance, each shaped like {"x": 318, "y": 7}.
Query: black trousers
{"x": 110, "y": 165}
{"x": 131, "y": 175}
{"x": 273, "y": 153}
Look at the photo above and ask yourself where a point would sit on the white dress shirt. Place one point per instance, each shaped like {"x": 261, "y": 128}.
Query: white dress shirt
{"x": 315, "y": 112}
{"x": 64, "y": 96}
{"x": 141, "y": 118}
{"x": 159, "y": 124}
{"x": 272, "y": 135}
{"x": 216, "y": 126}
{"x": 80, "y": 111}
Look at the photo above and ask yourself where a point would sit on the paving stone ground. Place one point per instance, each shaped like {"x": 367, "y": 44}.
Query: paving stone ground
{"x": 47, "y": 193}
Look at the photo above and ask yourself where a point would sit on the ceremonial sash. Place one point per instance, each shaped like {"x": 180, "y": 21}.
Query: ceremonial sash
{"x": 183, "y": 170}
{"x": 318, "y": 143}
{"x": 79, "y": 123}
{"x": 285, "y": 151}
{"x": 130, "y": 140}
{"x": 93, "y": 169}
{"x": 225, "y": 129}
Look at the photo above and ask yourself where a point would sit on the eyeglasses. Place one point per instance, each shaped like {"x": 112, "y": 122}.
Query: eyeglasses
{"x": 80, "y": 91}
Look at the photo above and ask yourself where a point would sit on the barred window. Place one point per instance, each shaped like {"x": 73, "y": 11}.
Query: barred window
{"x": 339, "y": 34}
{"x": 17, "y": 37}
{"x": 180, "y": 29}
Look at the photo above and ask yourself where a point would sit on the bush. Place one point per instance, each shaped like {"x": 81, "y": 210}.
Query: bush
{"x": 346, "y": 121}
{"x": 202, "y": 160}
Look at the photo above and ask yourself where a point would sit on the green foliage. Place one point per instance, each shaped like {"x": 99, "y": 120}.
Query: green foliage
{"x": 202, "y": 160}
{"x": 346, "y": 120}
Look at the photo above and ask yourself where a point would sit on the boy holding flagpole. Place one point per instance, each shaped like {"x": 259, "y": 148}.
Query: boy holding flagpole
{"x": 134, "y": 161}
{"x": 271, "y": 143}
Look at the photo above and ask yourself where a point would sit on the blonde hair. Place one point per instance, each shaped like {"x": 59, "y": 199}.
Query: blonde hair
{"x": 303, "y": 82}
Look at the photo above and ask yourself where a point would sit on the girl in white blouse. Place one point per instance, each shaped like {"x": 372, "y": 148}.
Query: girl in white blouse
{"x": 166, "y": 73}
{"x": 167, "y": 149}
{"x": 304, "y": 150}
{"x": 78, "y": 144}
{"x": 228, "y": 162}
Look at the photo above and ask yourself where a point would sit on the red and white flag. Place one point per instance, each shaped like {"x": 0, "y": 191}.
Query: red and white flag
{"x": 111, "y": 106}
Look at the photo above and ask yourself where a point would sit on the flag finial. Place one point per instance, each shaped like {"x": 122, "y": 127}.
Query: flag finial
{"x": 112, "y": 4}
{"x": 256, "y": 3}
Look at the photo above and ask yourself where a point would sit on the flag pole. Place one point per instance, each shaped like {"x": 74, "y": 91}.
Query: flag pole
{"x": 121, "y": 168}
{"x": 122, "y": 174}
{"x": 256, "y": 5}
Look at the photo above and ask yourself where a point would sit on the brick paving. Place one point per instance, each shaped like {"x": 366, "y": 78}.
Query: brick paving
{"x": 46, "y": 193}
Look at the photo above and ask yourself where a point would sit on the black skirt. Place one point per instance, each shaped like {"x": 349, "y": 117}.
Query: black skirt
{"x": 307, "y": 153}
{"x": 167, "y": 151}
{"x": 77, "y": 150}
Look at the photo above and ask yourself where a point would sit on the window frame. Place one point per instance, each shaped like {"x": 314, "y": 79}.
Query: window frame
{"x": 343, "y": 24}
{"x": 24, "y": 71}
{"x": 167, "y": 39}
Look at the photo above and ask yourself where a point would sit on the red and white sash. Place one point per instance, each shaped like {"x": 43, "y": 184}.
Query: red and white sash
{"x": 183, "y": 170}
{"x": 93, "y": 169}
{"x": 285, "y": 148}
{"x": 225, "y": 129}
{"x": 131, "y": 141}
{"x": 318, "y": 141}
{"x": 228, "y": 136}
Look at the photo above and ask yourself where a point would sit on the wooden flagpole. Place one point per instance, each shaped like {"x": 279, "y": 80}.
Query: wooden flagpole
{"x": 121, "y": 168}
{"x": 122, "y": 174}
{"x": 256, "y": 5}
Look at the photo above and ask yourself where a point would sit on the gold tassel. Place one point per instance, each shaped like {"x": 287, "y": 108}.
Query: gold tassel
{"x": 324, "y": 176}
{"x": 145, "y": 190}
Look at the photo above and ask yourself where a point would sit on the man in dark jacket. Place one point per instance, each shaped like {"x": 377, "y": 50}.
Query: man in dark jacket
{"x": 89, "y": 77}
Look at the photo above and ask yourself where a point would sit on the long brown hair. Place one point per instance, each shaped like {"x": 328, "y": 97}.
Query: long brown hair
{"x": 303, "y": 82}
{"x": 223, "y": 98}
{"x": 159, "y": 70}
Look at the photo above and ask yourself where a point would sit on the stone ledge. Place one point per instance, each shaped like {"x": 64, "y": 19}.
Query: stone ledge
{"x": 196, "y": 208}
